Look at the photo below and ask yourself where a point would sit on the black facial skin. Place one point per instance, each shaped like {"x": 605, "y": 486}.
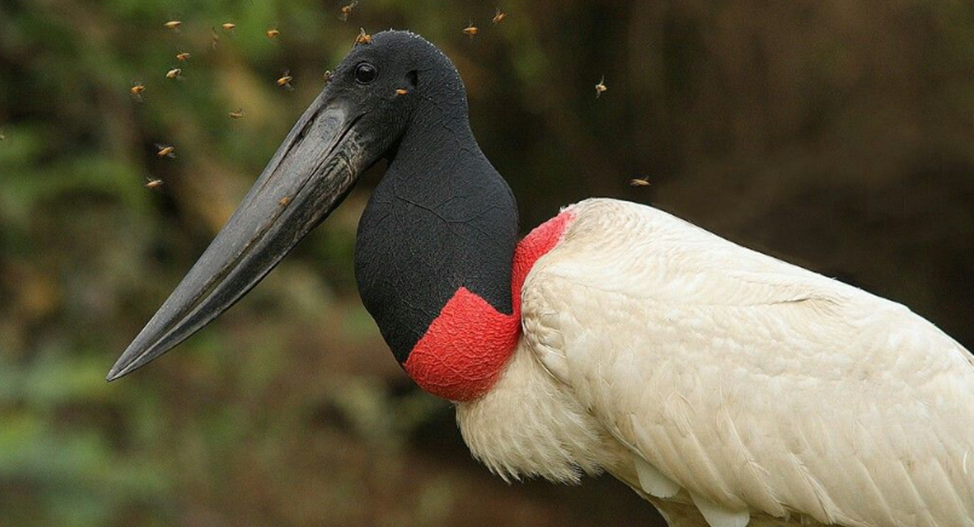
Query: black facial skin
{"x": 441, "y": 218}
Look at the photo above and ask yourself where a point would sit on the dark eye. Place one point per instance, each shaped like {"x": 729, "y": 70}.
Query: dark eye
{"x": 365, "y": 73}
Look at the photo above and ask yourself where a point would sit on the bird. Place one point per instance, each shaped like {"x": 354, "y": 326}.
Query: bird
{"x": 726, "y": 387}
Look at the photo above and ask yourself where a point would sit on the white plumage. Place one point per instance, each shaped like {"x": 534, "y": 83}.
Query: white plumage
{"x": 727, "y": 387}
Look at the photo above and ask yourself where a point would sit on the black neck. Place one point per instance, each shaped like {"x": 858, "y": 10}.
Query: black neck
{"x": 441, "y": 218}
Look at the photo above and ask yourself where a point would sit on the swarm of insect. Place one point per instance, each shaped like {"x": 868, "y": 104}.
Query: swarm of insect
{"x": 284, "y": 81}
{"x": 228, "y": 26}
{"x": 136, "y": 91}
{"x": 363, "y": 37}
{"x": 172, "y": 25}
{"x": 347, "y": 10}
{"x": 639, "y": 182}
{"x": 470, "y": 30}
{"x": 153, "y": 183}
{"x": 498, "y": 16}
{"x": 183, "y": 56}
{"x": 272, "y": 33}
{"x": 214, "y": 38}
{"x": 600, "y": 88}
{"x": 236, "y": 114}
{"x": 165, "y": 151}
{"x": 401, "y": 91}
{"x": 174, "y": 73}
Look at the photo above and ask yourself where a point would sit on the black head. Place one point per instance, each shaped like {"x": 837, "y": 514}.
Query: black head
{"x": 385, "y": 82}
{"x": 361, "y": 116}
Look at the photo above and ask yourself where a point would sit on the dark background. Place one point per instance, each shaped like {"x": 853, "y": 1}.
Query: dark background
{"x": 836, "y": 134}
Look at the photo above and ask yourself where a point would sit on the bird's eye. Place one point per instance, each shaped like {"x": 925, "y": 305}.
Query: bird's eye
{"x": 365, "y": 73}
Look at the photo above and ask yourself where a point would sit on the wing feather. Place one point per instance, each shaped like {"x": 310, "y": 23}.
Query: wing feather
{"x": 751, "y": 382}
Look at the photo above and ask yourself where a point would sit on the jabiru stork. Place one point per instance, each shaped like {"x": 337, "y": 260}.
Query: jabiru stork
{"x": 725, "y": 386}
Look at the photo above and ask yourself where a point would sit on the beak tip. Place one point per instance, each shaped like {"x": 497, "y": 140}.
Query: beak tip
{"x": 114, "y": 373}
{"x": 122, "y": 367}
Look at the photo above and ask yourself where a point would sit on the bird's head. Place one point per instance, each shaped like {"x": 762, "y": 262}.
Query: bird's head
{"x": 359, "y": 118}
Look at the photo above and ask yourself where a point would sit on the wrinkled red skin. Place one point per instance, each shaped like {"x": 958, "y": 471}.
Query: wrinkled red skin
{"x": 465, "y": 348}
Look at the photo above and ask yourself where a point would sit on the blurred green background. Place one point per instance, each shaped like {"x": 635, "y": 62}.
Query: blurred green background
{"x": 837, "y": 134}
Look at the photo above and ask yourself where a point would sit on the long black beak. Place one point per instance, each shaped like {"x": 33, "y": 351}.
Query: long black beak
{"x": 308, "y": 177}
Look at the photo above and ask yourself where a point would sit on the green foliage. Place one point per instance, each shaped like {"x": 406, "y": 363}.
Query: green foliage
{"x": 87, "y": 253}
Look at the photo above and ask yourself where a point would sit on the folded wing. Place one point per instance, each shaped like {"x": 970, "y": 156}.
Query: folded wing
{"x": 751, "y": 383}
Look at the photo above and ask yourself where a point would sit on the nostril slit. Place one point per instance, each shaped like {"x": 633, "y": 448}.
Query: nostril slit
{"x": 413, "y": 78}
{"x": 307, "y": 126}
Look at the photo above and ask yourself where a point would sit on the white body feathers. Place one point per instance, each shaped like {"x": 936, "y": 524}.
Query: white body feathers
{"x": 727, "y": 387}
